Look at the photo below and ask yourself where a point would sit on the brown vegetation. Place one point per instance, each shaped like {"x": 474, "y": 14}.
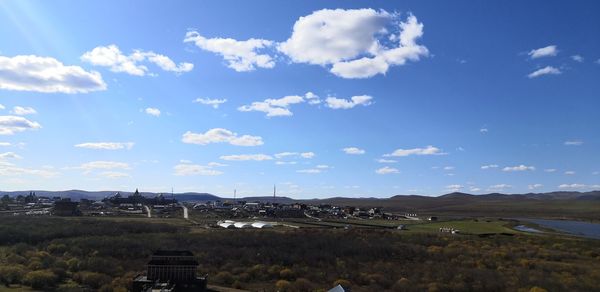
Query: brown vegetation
{"x": 68, "y": 254}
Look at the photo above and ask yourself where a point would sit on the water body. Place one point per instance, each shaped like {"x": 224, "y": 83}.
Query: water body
{"x": 526, "y": 229}
{"x": 578, "y": 228}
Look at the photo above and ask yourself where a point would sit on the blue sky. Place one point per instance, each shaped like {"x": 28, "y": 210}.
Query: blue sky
{"x": 321, "y": 98}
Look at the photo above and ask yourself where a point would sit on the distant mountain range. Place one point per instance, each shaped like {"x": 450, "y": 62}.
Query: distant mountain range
{"x": 578, "y": 205}
{"x": 193, "y": 196}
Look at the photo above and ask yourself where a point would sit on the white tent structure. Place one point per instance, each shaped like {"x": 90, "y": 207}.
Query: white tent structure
{"x": 242, "y": 225}
{"x": 226, "y": 224}
{"x": 261, "y": 224}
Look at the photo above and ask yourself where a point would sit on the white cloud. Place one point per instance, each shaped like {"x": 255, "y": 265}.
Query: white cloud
{"x": 186, "y": 169}
{"x": 285, "y": 154}
{"x": 106, "y": 145}
{"x": 483, "y": 130}
{"x": 578, "y": 186}
{"x": 549, "y": 51}
{"x": 574, "y": 143}
{"x": 220, "y": 135}
{"x": 293, "y": 154}
{"x": 152, "y": 111}
{"x": 499, "y": 187}
{"x": 215, "y": 103}
{"x": 7, "y": 169}
{"x": 489, "y": 166}
{"x": 91, "y": 166}
{"x": 309, "y": 171}
{"x": 569, "y": 172}
{"x": 274, "y": 107}
{"x": 286, "y": 162}
{"x": 386, "y": 170}
{"x": 13, "y": 124}
{"x": 88, "y": 166}
{"x": 577, "y": 58}
{"x": 307, "y": 154}
{"x": 596, "y": 173}
{"x": 454, "y": 188}
{"x": 357, "y": 43}
{"x": 474, "y": 189}
{"x": 312, "y": 98}
{"x": 246, "y": 157}
{"x": 48, "y": 75}
{"x": 548, "y": 70}
{"x": 535, "y": 186}
{"x": 353, "y": 150}
{"x": 2, "y": 107}
{"x": 282, "y": 106}
{"x": 449, "y": 168}
{"x": 323, "y": 166}
{"x": 22, "y": 111}
{"x": 383, "y": 160}
{"x": 110, "y": 56}
{"x": 340, "y": 103}
{"x": 5, "y": 144}
{"x": 550, "y": 169}
{"x": 9, "y": 155}
{"x": 114, "y": 174}
{"x": 518, "y": 168}
{"x": 429, "y": 150}
{"x": 242, "y": 56}
{"x": 216, "y": 164}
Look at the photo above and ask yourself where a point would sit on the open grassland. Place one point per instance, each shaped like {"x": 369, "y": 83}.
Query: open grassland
{"x": 465, "y": 226}
{"x": 477, "y": 206}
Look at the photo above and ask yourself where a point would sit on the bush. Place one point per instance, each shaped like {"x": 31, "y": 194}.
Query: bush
{"x": 283, "y": 285}
{"x": 42, "y": 279}
{"x": 287, "y": 274}
{"x": 92, "y": 279}
{"x": 11, "y": 274}
{"x": 302, "y": 284}
{"x": 224, "y": 278}
{"x": 342, "y": 282}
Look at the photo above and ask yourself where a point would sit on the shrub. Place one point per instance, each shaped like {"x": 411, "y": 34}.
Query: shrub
{"x": 92, "y": 279}
{"x": 224, "y": 278}
{"x": 42, "y": 279}
{"x": 11, "y": 274}
{"x": 283, "y": 285}
{"x": 287, "y": 274}
{"x": 342, "y": 282}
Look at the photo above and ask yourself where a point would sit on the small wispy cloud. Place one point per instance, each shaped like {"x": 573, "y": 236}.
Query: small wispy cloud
{"x": 519, "y": 168}
{"x": 353, "y": 150}
{"x": 215, "y": 103}
{"x": 387, "y": 170}
{"x": 152, "y": 111}
{"x": 549, "y": 51}
{"x": 548, "y": 70}
{"x": 573, "y": 143}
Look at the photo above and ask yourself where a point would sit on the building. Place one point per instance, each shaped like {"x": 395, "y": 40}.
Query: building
{"x": 170, "y": 270}
{"x": 65, "y": 207}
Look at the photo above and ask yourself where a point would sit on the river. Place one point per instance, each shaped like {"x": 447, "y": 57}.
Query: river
{"x": 578, "y": 228}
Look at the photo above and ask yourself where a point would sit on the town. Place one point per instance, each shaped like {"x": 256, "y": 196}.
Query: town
{"x": 226, "y": 213}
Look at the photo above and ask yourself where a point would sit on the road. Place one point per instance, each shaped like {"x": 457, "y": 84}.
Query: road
{"x": 185, "y": 212}
{"x": 148, "y": 211}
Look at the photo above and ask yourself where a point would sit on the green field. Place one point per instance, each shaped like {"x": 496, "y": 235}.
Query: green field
{"x": 465, "y": 226}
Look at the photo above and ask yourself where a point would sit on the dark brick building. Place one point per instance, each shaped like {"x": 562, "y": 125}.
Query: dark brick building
{"x": 171, "y": 270}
